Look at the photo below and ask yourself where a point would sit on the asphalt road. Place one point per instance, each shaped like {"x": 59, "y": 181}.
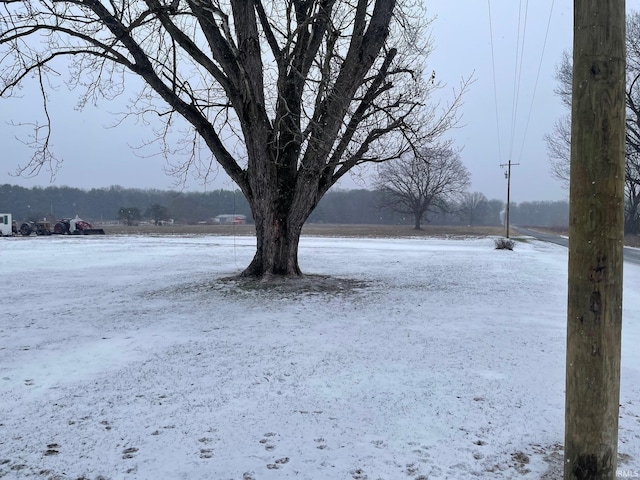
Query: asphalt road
{"x": 545, "y": 237}
{"x": 631, "y": 255}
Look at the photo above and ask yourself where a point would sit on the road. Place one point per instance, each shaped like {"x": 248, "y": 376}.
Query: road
{"x": 631, "y": 255}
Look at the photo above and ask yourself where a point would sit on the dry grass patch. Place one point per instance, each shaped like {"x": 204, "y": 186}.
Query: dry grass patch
{"x": 311, "y": 230}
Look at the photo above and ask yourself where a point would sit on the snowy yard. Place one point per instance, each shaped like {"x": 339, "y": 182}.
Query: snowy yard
{"x": 129, "y": 358}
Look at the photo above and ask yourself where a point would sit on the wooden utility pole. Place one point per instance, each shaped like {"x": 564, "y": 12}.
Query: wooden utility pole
{"x": 594, "y": 317}
{"x": 508, "y": 208}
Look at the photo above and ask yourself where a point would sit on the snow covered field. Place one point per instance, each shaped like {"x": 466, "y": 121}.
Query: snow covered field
{"x": 130, "y": 358}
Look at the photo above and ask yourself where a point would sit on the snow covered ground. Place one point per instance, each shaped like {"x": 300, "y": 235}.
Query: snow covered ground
{"x": 131, "y": 358}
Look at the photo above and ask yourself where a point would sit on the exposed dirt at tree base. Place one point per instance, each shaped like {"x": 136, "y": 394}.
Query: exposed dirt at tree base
{"x": 304, "y": 284}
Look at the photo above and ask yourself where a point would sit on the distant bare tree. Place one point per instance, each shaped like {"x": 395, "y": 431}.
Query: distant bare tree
{"x": 472, "y": 206}
{"x": 158, "y": 213}
{"x": 416, "y": 183}
{"x": 129, "y": 215}
{"x": 287, "y": 96}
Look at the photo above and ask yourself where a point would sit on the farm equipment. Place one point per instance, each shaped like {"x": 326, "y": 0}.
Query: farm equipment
{"x": 41, "y": 228}
{"x": 66, "y": 226}
{"x": 76, "y": 226}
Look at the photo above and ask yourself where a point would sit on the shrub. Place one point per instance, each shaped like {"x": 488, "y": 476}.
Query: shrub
{"x": 504, "y": 244}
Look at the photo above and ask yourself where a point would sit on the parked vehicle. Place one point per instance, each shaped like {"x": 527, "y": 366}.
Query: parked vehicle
{"x": 66, "y": 226}
{"x": 6, "y": 225}
{"x": 41, "y": 228}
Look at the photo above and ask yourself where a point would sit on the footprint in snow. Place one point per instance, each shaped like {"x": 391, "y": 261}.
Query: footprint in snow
{"x": 206, "y": 453}
{"x": 278, "y": 463}
{"x": 268, "y": 446}
{"x": 358, "y": 474}
{"x": 321, "y": 443}
{"x": 52, "y": 449}
{"x": 129, "y": 452}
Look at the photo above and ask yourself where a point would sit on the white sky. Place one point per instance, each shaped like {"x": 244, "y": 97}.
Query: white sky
{"x": 462, "y": 34}
{"x": 97, "y": 157}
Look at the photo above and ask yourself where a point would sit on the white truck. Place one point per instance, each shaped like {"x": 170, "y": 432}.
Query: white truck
{"x": 6, "y": 223}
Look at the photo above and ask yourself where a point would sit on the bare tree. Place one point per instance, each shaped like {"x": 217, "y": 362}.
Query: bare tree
{"x": 428, "y": 180}
{"x": 129, "y": 215}
{"x": 472, "y": 207}
{"x": 632, "y": 190}
{"x": 559, "y": 149}
{"x": 559, "y": 140}
{"x": 158, "y": 213}
{"x": 287, "y": 96}
{"x": 632, "y": 138}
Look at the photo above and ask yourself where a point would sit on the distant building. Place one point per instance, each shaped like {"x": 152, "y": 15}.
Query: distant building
{"x": 230, "y": 219}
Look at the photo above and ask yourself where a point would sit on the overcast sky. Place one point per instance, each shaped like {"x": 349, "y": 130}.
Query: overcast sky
{"x": 98, "y": 157}
{"x": 526, "y": 104}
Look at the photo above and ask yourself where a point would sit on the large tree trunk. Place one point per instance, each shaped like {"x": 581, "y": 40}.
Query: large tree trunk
{"x": 277, "y": 240}
{"x": 279, "y": 218}
{"x": 594, "y": 314}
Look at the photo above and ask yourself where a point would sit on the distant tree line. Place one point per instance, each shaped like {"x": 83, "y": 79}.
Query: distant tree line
{"x": 109, "y": 204}
{"x": 358, "y": 206}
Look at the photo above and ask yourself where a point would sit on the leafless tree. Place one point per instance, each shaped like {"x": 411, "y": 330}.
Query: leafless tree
{"x": 559, "y": 149}
{"x": 287, "y": 96}
{"x": 632, "y": 138}
{"x": 559, "y": 140}
{"x": 419, "y": 182}
{"x": 472, "y": 206}
{"x": 632, "y": 190}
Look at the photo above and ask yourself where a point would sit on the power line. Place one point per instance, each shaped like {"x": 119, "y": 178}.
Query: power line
{"x": 495, "y": 88}
{"x": 517, "y": 75}
{"x": 517, "y": 83}
{"x": 535, "y": 87}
